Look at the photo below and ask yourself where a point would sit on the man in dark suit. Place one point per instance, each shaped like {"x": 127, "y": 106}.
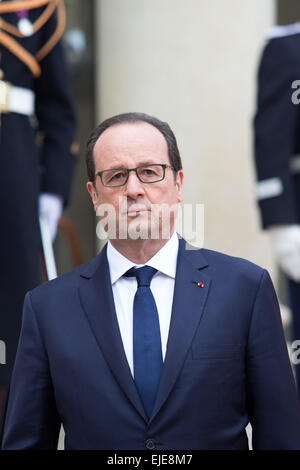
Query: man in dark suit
{"x": 36, "y": 164}
{"x": 151, "y": 345}
{"x": 277, "y": 156}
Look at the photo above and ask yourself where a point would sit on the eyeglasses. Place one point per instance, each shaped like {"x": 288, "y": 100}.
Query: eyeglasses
{"x": 145, "y": 173}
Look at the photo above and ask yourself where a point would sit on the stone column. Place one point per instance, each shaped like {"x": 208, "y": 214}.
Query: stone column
{"x": 194, "y": 65}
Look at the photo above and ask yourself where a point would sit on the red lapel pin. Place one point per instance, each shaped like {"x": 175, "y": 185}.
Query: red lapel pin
{"x": 199, "y": 284}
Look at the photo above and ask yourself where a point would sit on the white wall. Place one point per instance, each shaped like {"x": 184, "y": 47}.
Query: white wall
{"x": 194, "y": 64}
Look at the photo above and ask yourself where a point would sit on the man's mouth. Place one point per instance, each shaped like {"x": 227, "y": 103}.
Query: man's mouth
{"x": 134, "y": 211}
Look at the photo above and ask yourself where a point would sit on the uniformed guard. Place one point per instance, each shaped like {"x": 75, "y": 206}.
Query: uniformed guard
{"x": 277, "y": 155}
{"x": 37, "y": 129}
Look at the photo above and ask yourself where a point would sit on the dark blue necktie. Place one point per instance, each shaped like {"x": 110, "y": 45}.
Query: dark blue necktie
{"x": 147, "y": 355}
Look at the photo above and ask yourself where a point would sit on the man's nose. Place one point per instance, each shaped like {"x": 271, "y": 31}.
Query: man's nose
{"x": 134, "y": 187}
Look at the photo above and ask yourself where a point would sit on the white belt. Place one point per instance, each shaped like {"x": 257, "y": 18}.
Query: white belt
{"x": 14, "y": 99}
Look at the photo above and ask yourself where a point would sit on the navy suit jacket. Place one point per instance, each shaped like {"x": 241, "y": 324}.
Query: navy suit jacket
{"x": 226, "y": 364}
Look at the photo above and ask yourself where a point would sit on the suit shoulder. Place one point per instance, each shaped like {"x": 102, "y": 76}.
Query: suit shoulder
{"x": 233, "y": 264}
{"x": 64, "y": 282}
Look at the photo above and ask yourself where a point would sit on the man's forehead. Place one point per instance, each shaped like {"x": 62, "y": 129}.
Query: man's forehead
{"x": 131, "y": 134}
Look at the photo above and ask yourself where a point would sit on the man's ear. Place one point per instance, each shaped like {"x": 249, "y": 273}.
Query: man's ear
{"x": 178, "y": 183}
{"x": 93, "y": 193}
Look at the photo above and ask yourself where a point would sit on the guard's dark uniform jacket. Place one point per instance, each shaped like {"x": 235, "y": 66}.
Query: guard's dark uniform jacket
{"x": 277, "y": 132}
{"x": 277, "y": 144}
{"x": 26, "y": 168}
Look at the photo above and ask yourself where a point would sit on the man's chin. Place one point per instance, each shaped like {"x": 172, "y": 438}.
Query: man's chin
{"x": 139, "y": 227}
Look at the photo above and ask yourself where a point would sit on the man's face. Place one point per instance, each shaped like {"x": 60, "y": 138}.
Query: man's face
{"x": 130, "y": 145}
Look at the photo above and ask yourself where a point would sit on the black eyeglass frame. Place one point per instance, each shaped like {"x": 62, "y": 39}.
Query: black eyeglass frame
{"x": 163, "y": 165}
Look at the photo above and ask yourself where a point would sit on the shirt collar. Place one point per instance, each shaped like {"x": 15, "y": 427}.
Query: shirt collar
{"x": 165, "y": 260}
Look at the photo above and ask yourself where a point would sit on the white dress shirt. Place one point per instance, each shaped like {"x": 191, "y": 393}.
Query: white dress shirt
{"x": 162, "y": 287}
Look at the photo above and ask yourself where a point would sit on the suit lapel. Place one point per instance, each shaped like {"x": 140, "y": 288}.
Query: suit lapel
{"x": 188, "y": 305}
{"x": 98, "y": 304}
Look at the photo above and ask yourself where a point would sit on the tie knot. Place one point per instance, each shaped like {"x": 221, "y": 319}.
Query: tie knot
{"x": 143, "y": 275}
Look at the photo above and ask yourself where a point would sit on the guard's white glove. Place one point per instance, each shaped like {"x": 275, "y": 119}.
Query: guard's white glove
{"x": 51, "y": 207}
{"x": 286, "y": 245}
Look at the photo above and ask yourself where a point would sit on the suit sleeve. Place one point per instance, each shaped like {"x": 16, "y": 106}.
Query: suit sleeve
{"x": 275, "y": 125}
{"x": 32, "y": 421}
{"x": 56, "y": 119}
{"x": 272, "y": 397}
